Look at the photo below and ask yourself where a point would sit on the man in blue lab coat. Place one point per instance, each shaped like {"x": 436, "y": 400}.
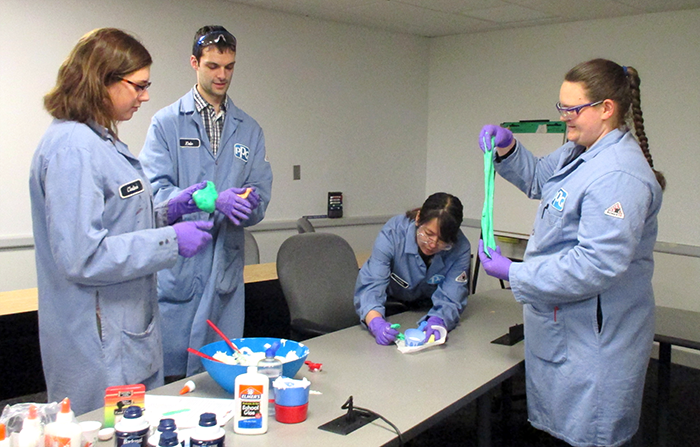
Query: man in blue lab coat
{"x": 204, "y": 136}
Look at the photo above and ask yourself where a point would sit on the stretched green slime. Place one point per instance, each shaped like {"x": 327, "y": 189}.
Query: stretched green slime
{"x": 205, "y": 198}
{"x": 487, "y": 212}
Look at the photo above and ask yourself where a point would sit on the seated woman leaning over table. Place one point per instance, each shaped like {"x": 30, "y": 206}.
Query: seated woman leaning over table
{"x": 422, "y": 259}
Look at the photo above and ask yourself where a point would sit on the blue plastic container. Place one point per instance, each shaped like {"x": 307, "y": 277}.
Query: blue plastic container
{"x": 225, "y": 375}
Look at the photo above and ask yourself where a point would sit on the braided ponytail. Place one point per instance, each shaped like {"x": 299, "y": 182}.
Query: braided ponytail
{"x": 638, "y": 121}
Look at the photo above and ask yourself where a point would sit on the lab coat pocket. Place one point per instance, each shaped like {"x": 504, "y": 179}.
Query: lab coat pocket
{"x": 549, "y": 225}
{"x": 142, "y": 353}
{"x": 545, "y": 334}
{"x": 231, "y": 261}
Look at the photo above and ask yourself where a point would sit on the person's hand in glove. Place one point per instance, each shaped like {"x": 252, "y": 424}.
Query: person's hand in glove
{"x": 182, "y": 203}
{"x": 253, "y": 198}
{"x": 383, "y": 333}
{"x": 497, "y": 265}
{"x": 431, "y": 328}
{"x": 192, "y": 236}
{"x": 235, "y": 207}
{"x": 503, "y": 140}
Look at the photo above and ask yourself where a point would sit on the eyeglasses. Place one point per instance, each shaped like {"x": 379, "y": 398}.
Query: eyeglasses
{"x": 424, "y": 239}
{"x": 572, "y": 112}
{"x": 140, "y": 88}
{"x": 215, "y": 37}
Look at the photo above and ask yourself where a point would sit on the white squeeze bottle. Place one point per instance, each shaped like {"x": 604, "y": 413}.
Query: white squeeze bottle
{"x": 30, "y": 434}
{"x": 64, "y": 432}
{"x": 250, "y": 403}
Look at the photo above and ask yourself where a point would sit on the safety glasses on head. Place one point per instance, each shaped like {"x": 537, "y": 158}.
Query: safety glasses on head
{"x": 573, "y": 111}
{"x": 217, "y": 37}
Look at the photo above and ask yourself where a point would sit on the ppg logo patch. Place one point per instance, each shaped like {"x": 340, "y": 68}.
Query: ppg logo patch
{"x": 436, "y": 279}
{"x": 559, "y": 199}
{"x": 241, "y": 151}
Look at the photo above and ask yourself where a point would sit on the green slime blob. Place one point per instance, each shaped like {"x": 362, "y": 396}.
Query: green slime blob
{"x": 205, "y": 199}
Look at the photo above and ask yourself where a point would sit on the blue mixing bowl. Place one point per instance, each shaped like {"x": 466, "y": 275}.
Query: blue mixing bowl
{"x": 225, "y": 374}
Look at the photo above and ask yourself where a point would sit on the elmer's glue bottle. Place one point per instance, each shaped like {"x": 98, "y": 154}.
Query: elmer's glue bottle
{"x": 30, "y": 435}
{"x": 250, "y": 403}
{"x": 64, "y": 432}
{"x": 4, "y": 440}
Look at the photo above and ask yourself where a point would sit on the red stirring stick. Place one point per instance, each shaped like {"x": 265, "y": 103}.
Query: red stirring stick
{"x": 221, "y": 334}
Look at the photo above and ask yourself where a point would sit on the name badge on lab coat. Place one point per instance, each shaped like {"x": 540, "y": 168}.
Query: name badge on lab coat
{"x": 189, "y": 142}
{"x": 397, "y": 279}
{"x": 131, "y": 189}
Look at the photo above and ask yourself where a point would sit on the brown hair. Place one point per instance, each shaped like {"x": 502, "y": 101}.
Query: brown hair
{"x": 444, "y": 207}
{"x": 100, "y": 58}
{"x": 603, "y": 79}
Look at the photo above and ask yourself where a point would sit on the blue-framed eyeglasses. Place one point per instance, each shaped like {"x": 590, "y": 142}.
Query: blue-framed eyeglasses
{"x": 216, "y": 37}
{"x": 572, "y": 112}
{"x": 140, "y": 88}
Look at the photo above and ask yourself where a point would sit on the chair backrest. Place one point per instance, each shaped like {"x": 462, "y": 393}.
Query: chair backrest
{"x": 317, "y": 272}
{"x": 251, "y": 251}
{"x": 304, "y": 226}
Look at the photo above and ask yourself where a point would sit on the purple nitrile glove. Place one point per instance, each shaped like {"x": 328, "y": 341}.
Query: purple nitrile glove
{"x": 192, "y": 236}
{"x": 431, "y": 328}
{"x": 182, "y": 203}
{"x": 497, "y": 265}
{"x": 504, "y": 137}
{"x": 382, "y": 331}
{"x": 253, "y": 198}
{"x": 235, "y": 207}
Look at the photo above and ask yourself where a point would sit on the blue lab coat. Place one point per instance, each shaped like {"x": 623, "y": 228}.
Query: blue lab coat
{"x": 396, "y": 269}
{"x": 589, "y": 262}
{"x": 209, "y": 285}
{"x": 97, "y": 251}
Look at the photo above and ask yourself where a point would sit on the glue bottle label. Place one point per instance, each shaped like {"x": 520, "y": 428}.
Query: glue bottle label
{"x": 251, "y": 399}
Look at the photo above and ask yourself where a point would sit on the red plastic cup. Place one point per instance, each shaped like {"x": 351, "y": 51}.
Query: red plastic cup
{"x": 291, "y": 415}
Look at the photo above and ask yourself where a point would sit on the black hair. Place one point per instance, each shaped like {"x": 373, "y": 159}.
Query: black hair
{"x": 444, "y": 207}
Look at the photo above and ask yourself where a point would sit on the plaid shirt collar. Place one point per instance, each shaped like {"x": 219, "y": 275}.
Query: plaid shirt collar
{"x": 200, "y": 103}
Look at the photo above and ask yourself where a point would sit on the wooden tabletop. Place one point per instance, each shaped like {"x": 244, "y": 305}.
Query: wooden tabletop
{"x": 26, "y": 300}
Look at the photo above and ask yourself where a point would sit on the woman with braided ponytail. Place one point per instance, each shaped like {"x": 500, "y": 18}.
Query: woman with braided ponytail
{"x": 585, "y": 281}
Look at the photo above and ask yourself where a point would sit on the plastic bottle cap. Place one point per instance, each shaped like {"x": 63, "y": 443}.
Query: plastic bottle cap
{"x": 2, "y": 432}
{"x": 272, "y": 350}
{"x": 32, "y": 412}
{"x": 168, "y": 439}
{"x": 207, "y": 420}
{"x": 133, "y": 412}
{"x": 167, "y": 424}
{"x": 65, "y": 405}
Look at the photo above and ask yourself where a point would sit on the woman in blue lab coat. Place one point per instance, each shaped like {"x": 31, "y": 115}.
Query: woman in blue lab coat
{"x": 97, "y": 245}
{"x": 585, "y": 281}
{"x": 419, "y": 257}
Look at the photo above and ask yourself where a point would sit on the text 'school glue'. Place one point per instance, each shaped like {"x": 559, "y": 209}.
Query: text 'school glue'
{"x": 64, "y": 432}
{"x": 250, "y": 412}
{"x": 207, "y": 433}
{"x": 132, "y": 428}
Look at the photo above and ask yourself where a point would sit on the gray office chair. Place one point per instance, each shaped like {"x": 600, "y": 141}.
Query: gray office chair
{"x": 317, "y": 272}
{"x": 250, "y": 249}
{"x": 304, "y": 226}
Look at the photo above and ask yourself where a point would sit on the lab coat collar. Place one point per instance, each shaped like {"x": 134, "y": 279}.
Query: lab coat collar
{"x": 101, "y": 131}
